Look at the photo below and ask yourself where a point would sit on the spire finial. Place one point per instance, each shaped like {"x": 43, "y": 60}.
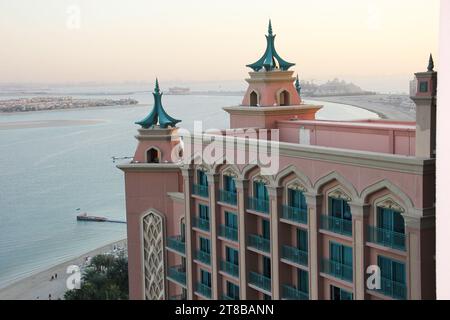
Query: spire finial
{"x": 156, "y": 85}
{"x": 270, "y": 27}
{"x": 431, "y": 63}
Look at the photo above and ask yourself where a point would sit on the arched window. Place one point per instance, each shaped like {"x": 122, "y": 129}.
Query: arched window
{"x": 253, "y": 99}
{"x": 284, "y": 98}
{"x": 153, "y": 155}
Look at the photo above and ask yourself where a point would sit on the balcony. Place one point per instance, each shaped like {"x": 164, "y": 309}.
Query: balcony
{"x": 228, "y": 197}
{"x": 177, "y": 243}
{"x": 386, "y": 238}
{"x": 393, "y": 289}
{"x": 295, "y": 255}
{"x": 259, "y": 243}
{"x": 260, "y": 281}
{"x": 336, "y": 225}
{"x": 258, "y": 205}
{"x": 227, "y": 297}
{"x": 296, "y": 215}
{"x": 203, "y": 257}
{"x": 203, "y": 290}
{"x": 230, "y": 268}
{"x": 292, "y": 293}
{"x": 177, "y": 274}
{"x": 200, "y": 223}
{"x": 200, "y": 190}
{"x": 337, "y": 270}
{"x": 228, "y": 233}
{"x": 178, "y": 297}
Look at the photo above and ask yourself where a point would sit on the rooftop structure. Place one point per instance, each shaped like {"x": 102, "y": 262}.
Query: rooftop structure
{"x": 343, "y": 196}
{"x": 158, "y": 116}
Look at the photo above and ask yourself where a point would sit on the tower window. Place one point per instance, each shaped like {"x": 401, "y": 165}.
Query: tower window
{"x": 284, "y": 98}
{"x": 253, "y": 99}
{"x": 153, "y": 155}
{"x": 423, "y": 87}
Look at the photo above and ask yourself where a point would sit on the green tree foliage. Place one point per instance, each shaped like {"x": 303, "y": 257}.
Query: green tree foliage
{"x": 106, "y": 278}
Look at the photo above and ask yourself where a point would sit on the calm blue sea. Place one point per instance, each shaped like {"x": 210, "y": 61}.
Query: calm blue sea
{"x": 47, "y": 173}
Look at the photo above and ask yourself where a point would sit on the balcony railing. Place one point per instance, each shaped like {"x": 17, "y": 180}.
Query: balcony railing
{"x": 258, "y": 205}
{"x": 337, "y": 270}
{"x": 228, "y": 233}
{"x": 200, "y": 223}
{"x": 386, "y": 238}
{"x": 204, "y": 290}
{"x": 178, "y": 274}
{"x": 227, "y": 297}
{"x": 178, "y": 297}
{"x": 292, "y": 293}
{"x": 177, "y": 243}
{"x": 200, "y": 190}
{"x": 229, "y": 268}
{"x": 259, "y": 243}
{"x": 295, "y": 255}
{"x": 336, "y": 225}
{"x": 203, "y": 256}
{"x": 297, "y": 215}
{"x": 260, "y": 281}
{"x": 393, "y": 289}
{"x": 228, "y": 197}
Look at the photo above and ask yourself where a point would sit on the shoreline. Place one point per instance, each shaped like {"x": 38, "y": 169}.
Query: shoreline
{"x": 38, "y": 286}
{"x": 384, "y": 110}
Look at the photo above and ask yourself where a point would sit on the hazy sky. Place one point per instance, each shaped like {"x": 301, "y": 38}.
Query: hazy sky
{"x": 378, "y": 44}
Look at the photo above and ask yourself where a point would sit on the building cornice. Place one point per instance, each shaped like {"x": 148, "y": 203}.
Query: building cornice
{"x": 373, "y": 160}
{"x": 176, "y": 196}
{"x": 150, "y": 167}
{"x": 276, "y": 111}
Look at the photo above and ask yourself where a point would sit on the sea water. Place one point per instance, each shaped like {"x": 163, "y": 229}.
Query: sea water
{"x": 48, "y": 172}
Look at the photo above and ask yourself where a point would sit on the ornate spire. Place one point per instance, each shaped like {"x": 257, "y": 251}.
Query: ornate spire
{"x": 270, "y": 60}
{"x": 158, "y": 115}
{"x": 431, "y": 64}
{"x": 298, "y": 87}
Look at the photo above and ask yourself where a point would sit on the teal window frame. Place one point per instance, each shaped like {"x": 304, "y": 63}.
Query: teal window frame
{"x": 232, "y": 255}
{"x": 231, "y": 220}
{"x": 265, "y": 229}
{"x": 205, "y": 278}
{"x": 205, "y": 245}
{"x": 202, "y": 179}
{"x": 302, "y": 239}
{"x": 267, "y": 267}
{"x": 339, "y": 208}
{"x": 296, "y": 199}
{"x": 390, "y": 220}
{"x": 260, "y": 191}
{"x": 423, "y": 86}
{"x": 203, "y": 212}
{"x": 392, "y": 269}
{"x": 232, "y": 290}
{"x": 229, "y": 184}
{"x": 341, "y": 254}
{"x": 337, "y": 293}
{"x": 302, "y": 281}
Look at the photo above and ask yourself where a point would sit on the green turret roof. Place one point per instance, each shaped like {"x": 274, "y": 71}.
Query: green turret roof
{"x": 270, "y": 60}
{"x": 158, "y": 115}
{"x": 298, "y": 87}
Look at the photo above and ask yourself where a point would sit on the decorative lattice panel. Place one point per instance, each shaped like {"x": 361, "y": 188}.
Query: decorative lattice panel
{"x": 153, "y": 257}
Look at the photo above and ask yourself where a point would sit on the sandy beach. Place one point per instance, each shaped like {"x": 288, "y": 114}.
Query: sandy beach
{"x": 39, "y": 286}
{"x": 392, "y": 107}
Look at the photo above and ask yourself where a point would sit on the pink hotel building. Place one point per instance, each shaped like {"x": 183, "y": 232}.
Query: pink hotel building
{"x": 348, "y": 195}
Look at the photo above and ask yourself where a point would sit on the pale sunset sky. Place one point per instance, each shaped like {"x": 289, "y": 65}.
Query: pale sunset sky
{"x": 378, "y": 44}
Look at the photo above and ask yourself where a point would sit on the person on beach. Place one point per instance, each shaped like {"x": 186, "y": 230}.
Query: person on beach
{"x": 56, "y": 276}
{"x": 51, "y": 279}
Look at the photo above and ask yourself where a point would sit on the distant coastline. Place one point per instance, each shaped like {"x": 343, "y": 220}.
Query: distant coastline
{"x": 59, "y": 103}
